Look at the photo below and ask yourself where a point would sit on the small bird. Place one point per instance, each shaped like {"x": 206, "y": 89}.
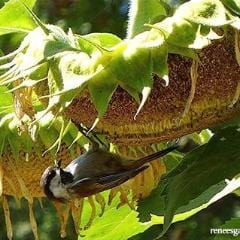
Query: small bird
{"x": 94, "y": 171}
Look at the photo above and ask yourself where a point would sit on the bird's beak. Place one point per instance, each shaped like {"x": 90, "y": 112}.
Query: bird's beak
{"x": 58, "y": 163}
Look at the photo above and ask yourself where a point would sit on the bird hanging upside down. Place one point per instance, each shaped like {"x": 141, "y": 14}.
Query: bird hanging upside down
{"x": 94, "y": 171}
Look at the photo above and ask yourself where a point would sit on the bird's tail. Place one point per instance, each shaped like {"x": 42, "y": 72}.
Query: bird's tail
{"x": 158, "y": 154}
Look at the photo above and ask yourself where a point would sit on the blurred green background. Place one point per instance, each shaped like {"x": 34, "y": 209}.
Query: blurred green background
{"x": 85, "y": 16}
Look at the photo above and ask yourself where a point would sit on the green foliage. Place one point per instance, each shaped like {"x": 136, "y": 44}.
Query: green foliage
{"x": 233, "y": 5}
{"x": 6, "y": 101}
{"x": 118, "y": 224}
{"x": 141, "y": 13}
{"x": 205, "y": 167}
{"x": 51, "y": 132}
{"x": 15, "y": 18}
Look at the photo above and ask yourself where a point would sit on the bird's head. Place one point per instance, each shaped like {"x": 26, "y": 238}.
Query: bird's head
{"x": 54, "y": 181}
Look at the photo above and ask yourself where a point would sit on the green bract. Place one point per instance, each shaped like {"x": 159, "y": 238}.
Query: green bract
{"x": 210, "y": 13}
{"x": 51, "y": 133}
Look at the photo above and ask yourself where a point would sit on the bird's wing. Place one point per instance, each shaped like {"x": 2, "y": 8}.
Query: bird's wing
{"x": 109, "y": 181}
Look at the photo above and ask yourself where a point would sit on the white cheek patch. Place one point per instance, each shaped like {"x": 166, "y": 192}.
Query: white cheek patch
{"x": 57, "y": 188}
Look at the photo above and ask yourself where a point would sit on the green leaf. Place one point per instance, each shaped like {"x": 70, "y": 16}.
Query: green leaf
{"x": 113, "y": 225}
{"x": 4, "y": 121}
{"x": 117, "y": 224}
{"x": 155, "y": 203}
{"x": 235, "y": 121}
{"x": 152, "y": 205}
{"x": 15, "y": 18}
{"x": 149, "y": 234}
{"x": 141, "y": 13}
{"x": 207, "y": 198}
{"x": 6, "y": 101}
{"x": 231, "y": 227}
{"x": 233, "y": 5}
{"x": 206, "y": 166}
